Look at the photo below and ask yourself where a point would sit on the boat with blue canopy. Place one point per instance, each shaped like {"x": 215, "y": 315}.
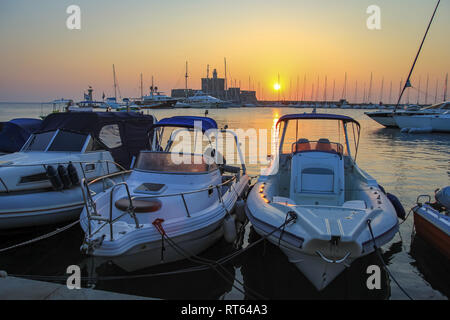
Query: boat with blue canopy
{"x": 14, "y": 133}
{"x": 179, "y": 199}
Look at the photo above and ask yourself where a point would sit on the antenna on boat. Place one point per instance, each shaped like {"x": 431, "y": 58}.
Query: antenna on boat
{"x": 408, "y": 83}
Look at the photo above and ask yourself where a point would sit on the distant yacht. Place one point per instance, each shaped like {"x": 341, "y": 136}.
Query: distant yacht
{"x": 156, "y": 100}
{"x": 201, "y": 100}
{"x": 386, "y": 118}
{"x": 424, "y": 123}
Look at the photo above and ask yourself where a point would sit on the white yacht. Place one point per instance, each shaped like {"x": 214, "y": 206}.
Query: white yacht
{"x": 39, "y": 185}
{"x": 201, "y": 100}
{"x": 315, "y": 203}
{"x": 174, "y": 204}
{"x": 386, "y": 117}
{"x": 424, "y": 123}
{"x": 156, "y": 100}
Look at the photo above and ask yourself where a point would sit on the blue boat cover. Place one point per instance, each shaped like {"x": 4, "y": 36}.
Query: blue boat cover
{"x": 187, "y": 122}
{"x": 14, "y": 133}
{"x": 317, "y": 116}
{"x": 133, "y": 129}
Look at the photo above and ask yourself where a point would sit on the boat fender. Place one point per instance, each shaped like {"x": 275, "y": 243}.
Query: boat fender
{"x": 73, "y": 174}
{"x": 405, "y": 130}
{"x": 229, "y": 229}
{"x": 64, "y": 175}
{"x": 443, "y": 197}
{"x": 240, "y": 211}
{"x": 397, "y": 205}
{"x": 382, "y": 189}
{"x": 54, "y": 178}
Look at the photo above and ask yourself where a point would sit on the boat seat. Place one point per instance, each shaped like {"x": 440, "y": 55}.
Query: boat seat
{"x": 140, "y": 205}
{"x": 301, "y": 145}
{"x": 323, "y": 145}
{"x": 355, "y": 204}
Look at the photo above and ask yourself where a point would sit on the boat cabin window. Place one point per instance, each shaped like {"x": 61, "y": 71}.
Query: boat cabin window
{"x": 56, "y": 141}
{"x": 110, "y": 136}
{"x": 173, "y": 163}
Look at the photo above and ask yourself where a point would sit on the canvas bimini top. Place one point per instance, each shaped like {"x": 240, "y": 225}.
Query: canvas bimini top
{"x": 14, "y": 133}
{"x": 317, "y": 116}
{"x": 127, "y": 132}
{"x": 187, "y": 122}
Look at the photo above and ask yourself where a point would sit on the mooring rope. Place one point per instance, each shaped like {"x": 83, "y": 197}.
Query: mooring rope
{"x": 42, "y": 237}
{"x": 375, "y": 247}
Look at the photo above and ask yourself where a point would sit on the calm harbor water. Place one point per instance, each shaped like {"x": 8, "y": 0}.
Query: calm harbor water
{"x": 406, "y": 165}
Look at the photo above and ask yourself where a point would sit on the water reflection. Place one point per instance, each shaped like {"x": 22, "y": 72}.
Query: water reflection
{"x": 434, "y": 267}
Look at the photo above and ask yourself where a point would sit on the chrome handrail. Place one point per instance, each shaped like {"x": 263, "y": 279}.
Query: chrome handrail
{"x": 111, "y": 221}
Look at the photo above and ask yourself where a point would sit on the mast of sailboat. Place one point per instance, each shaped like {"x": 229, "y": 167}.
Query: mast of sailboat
{"x": 390, "y": 93}
{"x": 304, "y": 88}
{"x": 115, "y": 84}
{"x": 142, "y": 89}
{"x": 226, "y": 79}
{"x": 445, "y": 87}
{"x": 436, "y": 94}
{"x": 186, "y": 81}
{"x": 408, "y": 83}
{"x": 325, "y": 89}
{"x": 334, "y": 89}
{"x": 355, "y": 98}
{"x": 344, "y": 89}
{"x": 418, "y": 91}
{"x": 426, "y": 90}
{"x": 382, "y": 90}
{"x": 369, "y": 97}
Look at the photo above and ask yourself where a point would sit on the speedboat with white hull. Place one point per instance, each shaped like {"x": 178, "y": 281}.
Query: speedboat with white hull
{"x": 334, "y": 209}
{"x": 174, "y": 204}
{"x": 40, "y": 185}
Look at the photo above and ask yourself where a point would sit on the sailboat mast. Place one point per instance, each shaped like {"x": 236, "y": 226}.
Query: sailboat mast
{"x": 390, "y": 93}
{"x": 226, "y": 79}
{"x": 142, "y": 88}
{"x": 186, "y": 80}
{"x": 418, "y": 92}
{"x": 382, "y": 90}
{"x": 445, "y": 87}
{"x": 436, "y": 94}
{"x": 426, "y": 90}
{"x": 115, "y": 84}
{"x": 369, "y": 97}
{"x": 325, "y": 89}
{"x": 344, "y": 89}
{"x": 355, "y": 98}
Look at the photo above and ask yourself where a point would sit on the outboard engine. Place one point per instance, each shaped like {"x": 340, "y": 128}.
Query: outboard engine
{"x": 64, "y": 175}
{"x": 73, "y": 174}
{"x": 54, "y": 178}
{"x": 443, "y": 197}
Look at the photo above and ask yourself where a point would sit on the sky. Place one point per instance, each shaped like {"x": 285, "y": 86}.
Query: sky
{"x": 41, "y": 59}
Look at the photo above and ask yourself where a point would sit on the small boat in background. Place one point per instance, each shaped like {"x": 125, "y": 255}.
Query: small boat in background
{"x": 40, "y": 184}
{"x": 14, "y": 133}
{"x": 432, "y": 220}
{"x": 184, "y": 196}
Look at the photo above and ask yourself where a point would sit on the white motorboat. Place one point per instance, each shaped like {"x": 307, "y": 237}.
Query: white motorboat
{"x": 386, "y": 118}
{"x": 317, "y": 186}
{"x": 156, "y": 100}
{"x": 185, "y": 196}
{"x": 40, "y": 184}
{"x": 424, "y": 123}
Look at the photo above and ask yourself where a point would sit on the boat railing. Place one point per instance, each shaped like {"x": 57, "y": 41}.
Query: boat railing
{"x": 93, "y": 215}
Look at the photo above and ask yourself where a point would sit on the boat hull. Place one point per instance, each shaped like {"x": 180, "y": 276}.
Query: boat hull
{"x": 385, "y": 119}
{"x": 151, "y": 253}
{"x": 429, "y": 229}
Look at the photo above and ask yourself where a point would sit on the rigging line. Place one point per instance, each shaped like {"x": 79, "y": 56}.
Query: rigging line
{"x": 375, "y": 247}
{"x": 417, "y": 56}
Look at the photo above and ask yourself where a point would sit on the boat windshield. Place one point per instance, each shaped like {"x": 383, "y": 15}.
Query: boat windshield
{"x": 58, "y": 140}
{"x": 168, "y": 162}
{"x": 318, "y": 135}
